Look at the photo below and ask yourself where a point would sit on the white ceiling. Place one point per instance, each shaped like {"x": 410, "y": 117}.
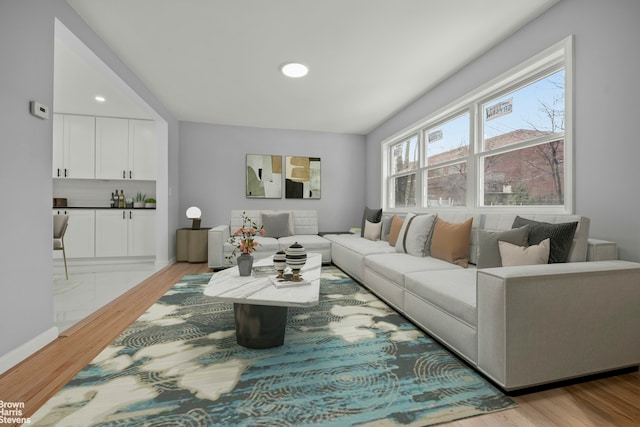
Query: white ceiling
{"x": 217, "y": 61}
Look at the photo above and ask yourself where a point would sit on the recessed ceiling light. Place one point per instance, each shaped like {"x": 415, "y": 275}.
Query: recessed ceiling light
{"x": 100, "y": 98}
{"x": 294, "y": 70}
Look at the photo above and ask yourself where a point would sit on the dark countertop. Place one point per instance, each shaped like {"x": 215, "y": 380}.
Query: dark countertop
{"x": 100, "y": 207}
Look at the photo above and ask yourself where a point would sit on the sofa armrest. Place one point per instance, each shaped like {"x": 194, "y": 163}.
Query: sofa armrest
{"x": 216, "y": 238}
{"x": 601, "y": 250}
{"x": 546, "y": 323}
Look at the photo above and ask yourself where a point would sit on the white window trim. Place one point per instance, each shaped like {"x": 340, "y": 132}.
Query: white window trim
{"x": 558, "y": 55}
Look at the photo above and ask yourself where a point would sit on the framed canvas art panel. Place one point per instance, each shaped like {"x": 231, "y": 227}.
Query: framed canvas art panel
{"x": 302, "y": 177}
{"x": 264, "y": 176}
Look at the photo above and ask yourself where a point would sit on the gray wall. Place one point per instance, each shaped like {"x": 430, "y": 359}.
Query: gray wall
{"x": 26, "y": 73}
{"x": 212, "y": 172}
{"x": 607, "y": 90}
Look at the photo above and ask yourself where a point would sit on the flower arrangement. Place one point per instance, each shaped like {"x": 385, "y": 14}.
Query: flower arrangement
{"x": 243, "y": 237}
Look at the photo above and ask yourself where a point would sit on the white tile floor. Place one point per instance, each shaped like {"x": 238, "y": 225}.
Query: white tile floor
{"x": 91, "y": 287}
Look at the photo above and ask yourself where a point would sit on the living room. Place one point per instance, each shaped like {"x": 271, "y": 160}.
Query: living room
{"x": 206, "y": 161}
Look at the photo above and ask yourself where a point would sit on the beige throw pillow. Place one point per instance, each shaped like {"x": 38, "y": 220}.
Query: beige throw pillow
{"x": 450, "y": 241}
{"x": 524, "y": 255}
{"x": 372, "y": 230}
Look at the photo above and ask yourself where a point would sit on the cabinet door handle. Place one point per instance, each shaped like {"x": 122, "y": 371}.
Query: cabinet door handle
{"x": 123, "y": 217}
{"x": 130, "y": 177}
{"x": 130, "y": 217}
{"x": 58, "y": 172}
{"x": 65, "y": 172}
{"x": 123, "y": 175}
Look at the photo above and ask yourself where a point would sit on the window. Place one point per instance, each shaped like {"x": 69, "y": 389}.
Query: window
{"x": 506, "y": 145}
{"x": 404, "y": 164}
{"x": 447, "y": 152}
{"x": 523, "y": 138}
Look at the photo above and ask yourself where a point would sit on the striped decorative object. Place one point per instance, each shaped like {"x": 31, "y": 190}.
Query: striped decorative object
{"x": 296, "y": 258}
{"x": 280, "y": 262}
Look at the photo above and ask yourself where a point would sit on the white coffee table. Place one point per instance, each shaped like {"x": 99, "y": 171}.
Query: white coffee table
{"x": 260, "y": 307}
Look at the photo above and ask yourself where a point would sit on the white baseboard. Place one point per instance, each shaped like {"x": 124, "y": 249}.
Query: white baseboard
{"x": 159, "y": 265}
{"x": 19, "y": 354}
{"x": 94, "y": 265}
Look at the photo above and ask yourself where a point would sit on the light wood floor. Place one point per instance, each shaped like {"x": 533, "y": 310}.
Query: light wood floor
{"x": 613, "y": 401}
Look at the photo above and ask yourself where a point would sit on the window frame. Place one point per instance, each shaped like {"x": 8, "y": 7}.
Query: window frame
{"x": 556, "y": 57}
{"x": 407, "y": 172}
{"x": 425, "y": 167}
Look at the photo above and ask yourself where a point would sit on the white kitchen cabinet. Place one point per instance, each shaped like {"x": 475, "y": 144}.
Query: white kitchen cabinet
{"x": 125, "y": 149}
{"x": 111, "y": 233}
{"x": 142, "y": 149}
{"x": 58, "y": 145}
{"x": 125, "y": 232}
{"x": 142, "y": 233}
{"x": 79, "y": 239}
{"x": 73, "y": 146}
{"x": 112, "y": 148}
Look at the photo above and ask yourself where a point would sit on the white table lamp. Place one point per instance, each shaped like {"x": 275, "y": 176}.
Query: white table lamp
{"x": 194, "y": 213}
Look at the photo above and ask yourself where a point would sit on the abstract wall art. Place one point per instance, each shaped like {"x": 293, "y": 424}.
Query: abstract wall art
{"x": 302, "y": 177}
{"x": 264, "y": 176}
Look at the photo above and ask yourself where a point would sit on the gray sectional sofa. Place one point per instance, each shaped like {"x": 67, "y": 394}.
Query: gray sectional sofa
{"x": 522, "y": 326}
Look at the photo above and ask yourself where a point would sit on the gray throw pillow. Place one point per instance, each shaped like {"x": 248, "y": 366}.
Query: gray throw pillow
{"x": 276, "y": 224}
{"x": 386, "y": 227}
{"x": 561, "y": 236}
{"x": 488, "y": 247}
{"x": 371, "y": 215}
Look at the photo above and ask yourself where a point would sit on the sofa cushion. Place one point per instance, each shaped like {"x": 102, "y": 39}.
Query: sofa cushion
{"x": 305, "y": 222}
{"x": 488, "y": 251}
{"x": 450, "y": 242}
{"x": 371, "y": 215}
{"x": 394, "y": 266}
{"x": 360, "y": 245}
{"x": 277, "y": 224}
{"x": 394, "y": 231}
{"x": 372, "y": 230}
{"x": 415, "y": 234}
{"x": 453, "y": 291}
{"x": 308, "y": 241}
{"x": 561, "y": 236}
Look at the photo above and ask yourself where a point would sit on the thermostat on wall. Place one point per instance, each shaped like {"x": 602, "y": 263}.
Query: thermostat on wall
{"x": 39, "y": 110}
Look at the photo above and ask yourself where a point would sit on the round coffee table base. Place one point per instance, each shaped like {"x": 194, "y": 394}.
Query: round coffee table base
{"x": 260, "y": 326}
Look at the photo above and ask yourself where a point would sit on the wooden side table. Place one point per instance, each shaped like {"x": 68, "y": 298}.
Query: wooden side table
{"x": 191, "y": 245}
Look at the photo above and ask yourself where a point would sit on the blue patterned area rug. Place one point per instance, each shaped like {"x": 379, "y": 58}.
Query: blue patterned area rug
{"x": 351, "y": 360}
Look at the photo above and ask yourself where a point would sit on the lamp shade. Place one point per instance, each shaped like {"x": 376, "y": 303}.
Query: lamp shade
{"x": 194, "y": 212}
